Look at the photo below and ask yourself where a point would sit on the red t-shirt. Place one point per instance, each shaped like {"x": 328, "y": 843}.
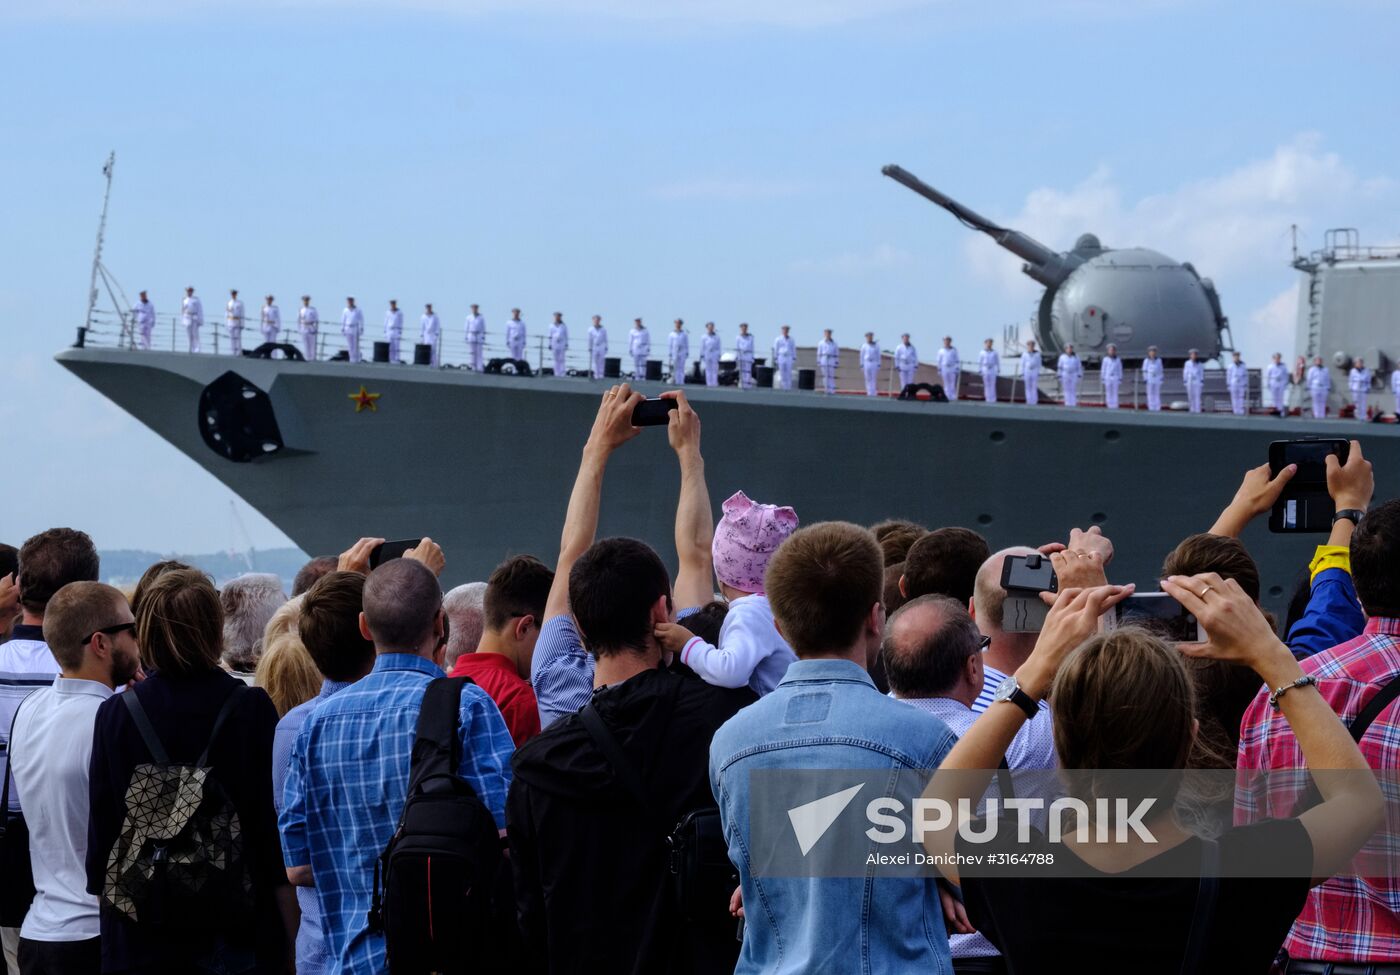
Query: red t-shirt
{"x": 496, "y": 675}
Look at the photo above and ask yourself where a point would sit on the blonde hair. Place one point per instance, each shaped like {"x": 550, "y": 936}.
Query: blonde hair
{"x": 287, "y": 672}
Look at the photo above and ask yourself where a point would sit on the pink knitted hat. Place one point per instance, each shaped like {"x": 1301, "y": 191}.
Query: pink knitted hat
{"x": 746, "y": 538}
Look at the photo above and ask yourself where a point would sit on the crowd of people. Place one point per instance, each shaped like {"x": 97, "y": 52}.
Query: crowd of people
{"x": 227, "y": 780}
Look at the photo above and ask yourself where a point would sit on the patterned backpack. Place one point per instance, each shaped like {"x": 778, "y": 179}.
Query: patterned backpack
{"x": 178, "y": 861}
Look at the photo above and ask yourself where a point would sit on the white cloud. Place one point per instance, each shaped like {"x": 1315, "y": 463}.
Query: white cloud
{"x": 883, "y": 256}
{"x": 1274, "y": 325}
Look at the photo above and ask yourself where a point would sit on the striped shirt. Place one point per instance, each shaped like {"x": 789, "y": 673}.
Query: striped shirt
{"x": 1347, "y": 918}
{"x": 347, "y": 781}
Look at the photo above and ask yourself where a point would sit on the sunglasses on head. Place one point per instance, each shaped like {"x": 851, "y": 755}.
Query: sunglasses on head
{"x": 112, "y": 630}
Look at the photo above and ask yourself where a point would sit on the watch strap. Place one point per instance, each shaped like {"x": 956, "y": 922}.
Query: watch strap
{"x": 1353, "y": 515}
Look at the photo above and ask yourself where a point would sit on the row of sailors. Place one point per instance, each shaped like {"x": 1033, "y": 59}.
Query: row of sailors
{"x": 1068, "y": 368}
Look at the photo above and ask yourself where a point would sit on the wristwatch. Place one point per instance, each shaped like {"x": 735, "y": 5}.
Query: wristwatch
{"x": 1010, "y": 690}
{"x": 1352, "y": 515}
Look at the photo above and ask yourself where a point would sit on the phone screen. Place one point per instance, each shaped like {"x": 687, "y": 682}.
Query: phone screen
{"x": 1161, "y": 615}
{"x": 653, "y": 412}
{"x": 1028, "y": 572}
{"x": 1304, "y": 505}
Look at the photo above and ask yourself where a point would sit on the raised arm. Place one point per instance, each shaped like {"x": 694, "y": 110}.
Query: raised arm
{"x": 695, "y": 519}
{"x": 1256, "y": 495}
{"x": 611, "y": 429}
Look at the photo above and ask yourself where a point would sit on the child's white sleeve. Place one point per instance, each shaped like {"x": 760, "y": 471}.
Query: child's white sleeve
{"x": 732, "y": 664}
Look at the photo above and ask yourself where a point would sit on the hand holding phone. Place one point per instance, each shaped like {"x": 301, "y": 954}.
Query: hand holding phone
{"x": 386, "y": 551}
{"x": 653, "y": 412}
{"x": 1305, "y": 505}
{"x": 1160, "y": 614}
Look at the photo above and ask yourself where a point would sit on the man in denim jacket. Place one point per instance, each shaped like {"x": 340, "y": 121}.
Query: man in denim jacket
{"x": 825, "y": 584}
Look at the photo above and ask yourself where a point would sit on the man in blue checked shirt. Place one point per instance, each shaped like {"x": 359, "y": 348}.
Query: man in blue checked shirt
{"x": 351, "y": 759}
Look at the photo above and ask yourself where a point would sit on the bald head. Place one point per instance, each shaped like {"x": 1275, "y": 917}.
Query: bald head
{"x": 401, "y": 603}
{"x": 988, "y": 597}
{"x": 928, "y": 649}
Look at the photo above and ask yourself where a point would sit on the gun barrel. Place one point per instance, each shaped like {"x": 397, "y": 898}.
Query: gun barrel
{"x": 1043, "y": 264}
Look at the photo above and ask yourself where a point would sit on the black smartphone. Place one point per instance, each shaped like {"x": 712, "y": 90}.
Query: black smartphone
{"x": 385, "y": 551}
{"x": 1032, "y": 573}
{"x": 653, "y": 412}
{"x": 1159, "y": 613}
{"x": 1305, "y": 505}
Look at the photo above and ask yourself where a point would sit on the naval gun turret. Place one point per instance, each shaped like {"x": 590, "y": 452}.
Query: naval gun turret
{"x": 1096, "y": 296}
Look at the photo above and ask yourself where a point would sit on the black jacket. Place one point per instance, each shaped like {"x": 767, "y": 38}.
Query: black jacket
{"x": 592, "y": 878}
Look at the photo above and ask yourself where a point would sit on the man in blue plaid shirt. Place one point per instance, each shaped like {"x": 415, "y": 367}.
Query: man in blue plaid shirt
{"x": 349, "y": 777}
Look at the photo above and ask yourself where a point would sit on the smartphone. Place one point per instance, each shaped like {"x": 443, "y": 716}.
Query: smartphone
{"x": 1032, "y": 573}
{"x": 1162, "y": 615}
{"x": 385, "y": 551}
{"x": 653, "y": 412}
{"x": 1304, "y": 505}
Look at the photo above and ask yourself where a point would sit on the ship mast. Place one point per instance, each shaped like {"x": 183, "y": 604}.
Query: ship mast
{"x": 99, "y": 270}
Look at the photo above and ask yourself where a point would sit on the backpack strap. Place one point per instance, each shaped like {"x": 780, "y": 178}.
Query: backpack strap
{"x": 437, "y": 746}
{"x": 9, "y": 758}
{"x": 1389, "y": 691}
{"x": 1204, "y": 917}
{"x": 144, "y": 726}
{"x": 623, "y": 767}
{"x": 230, "y": 703}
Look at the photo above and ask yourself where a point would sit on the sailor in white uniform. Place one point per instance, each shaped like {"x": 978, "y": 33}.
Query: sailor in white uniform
{"x": 1111, "y": 376}
{"x": 352, "y": 326}
{"x": 1237, "y": 381}
{"x": 1359, "y": 382}
{"x": 906, "y": 360}
{"x": 1395, "y": 388}
{"x": 949, "y": 367}
{"x": 430, "y": 333}
{"x": 515, "y": 335}
{"x": 744, "y": 356}
{"x": 989, "y": 365}
{"x": 597, "y": 346}
{"x": 1276, "y": 378}
{"x": 1193, "y": 374}
{"x": 476, "y": 338}
{"x": 1153, "y": 373}
{"x": 870, "y": 364}
{"x": 271, "y": 320}
{"x": 784, "y": 357}
{"x": 1070, "y": 370}
{"x": 308, "y": 323}
{"x": 144, "y": 317}
{"x": 828, "y": 355}
{"x": 1031, "y": 364}
{"x": 710, "y": 348}
{"x": 678, "y": 351}
{"x": 233, "y": 319}
{"x": 192, "y": 317}
{"x": 1319, "y": 386}
{"x": 393, "y": 329}
{"x": 639, "y": 348}
{"x": 559, "y": 342}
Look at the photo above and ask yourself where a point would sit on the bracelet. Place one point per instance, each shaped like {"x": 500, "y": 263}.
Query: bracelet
{"x": 1304, "y": 681}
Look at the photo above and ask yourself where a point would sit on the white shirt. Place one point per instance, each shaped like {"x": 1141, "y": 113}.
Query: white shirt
{"x": 639, "y": 342}
{"x": 558, "y": 337}
{"x": 352, "y": 319}
{"x": 869, "y": 354}
{"x": 429, "y": 326}
{"x": 192, "y": 311}
{"x": 476, "y": 328}
{"x": 829, "y": 353}
{"x": 1111, "y": 369}
{"x": 51, "y": 751}
{"x": 1031, "y": 364}
{"x": 272, "y": 315}
{"x": 1069, "y": 368}
{"x": 597, "y": 340}
{"x": 515, "y": 332}
{"x": 1395, "y": 380}
{"x": 947, "y": 358}
{"x": 710, "y": 347}
{"x": 1277, "y": 375}
{"x": 144, "y": 313}
{"x": 784, "y": 349}
{"x": 906, "y": 356}
{"x": 1152, "y": 371}
{"x": 988, "y": 362}
{"x": 751, "y": 651}
{"x": 677, "y": 346}
{"x": 1193, "y": 373}
{"x": 393, "y": 322}
{"x": 307, "y": 319}
{"x": 1359, "y": 380}
{"x": 234, "y": 313}
{"x": 1319, "y": 379}
{"x": 743, "y": 347}
{"x": 1237, "y": 375}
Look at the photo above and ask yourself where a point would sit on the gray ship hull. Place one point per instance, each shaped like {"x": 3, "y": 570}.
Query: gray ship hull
{"x": 484, "y": 464}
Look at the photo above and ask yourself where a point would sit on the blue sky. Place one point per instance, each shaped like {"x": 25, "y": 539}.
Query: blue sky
{"x": 709, "y": 160}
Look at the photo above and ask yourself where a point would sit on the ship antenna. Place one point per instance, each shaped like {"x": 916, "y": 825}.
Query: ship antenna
{"x": 99, "y": 270}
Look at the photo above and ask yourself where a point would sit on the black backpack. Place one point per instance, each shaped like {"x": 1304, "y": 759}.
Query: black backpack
{"x": 178, "y": 863}
{"x": 438, "y": 884}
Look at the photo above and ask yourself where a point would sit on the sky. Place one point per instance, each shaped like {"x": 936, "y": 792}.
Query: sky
{"x": 709, "y": 160}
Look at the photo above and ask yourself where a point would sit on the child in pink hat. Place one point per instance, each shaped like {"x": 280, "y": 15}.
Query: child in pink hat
{"x": 750, "y": 651}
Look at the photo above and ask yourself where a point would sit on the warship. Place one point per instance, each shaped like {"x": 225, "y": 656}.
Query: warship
{"x": 483, "y": 462}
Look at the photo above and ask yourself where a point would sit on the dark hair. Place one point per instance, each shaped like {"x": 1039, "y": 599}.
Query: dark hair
{"x": 401, "y": 600}
{"x": 308, "y": 574}
{"x": 945, "y": 562}
{"x": 1298, "y": 600}
{"x": 329, "y": 625}
{"x": 895, "y": 535}
{"x": 893, "y": 598}
{"x": 706, "y": 621}
{"x": 1375, "y": 560}
{"x": 612, "y": 587}
{"x": 1214, "y": 553}
{"x": 180, "y": 625}
{"x": 49, "y": 561}
{"x": 9, "y": 560}
{"x": 927, "y": 661}
{"x": 822, "y": 582}
{"x": 519, "y": 586}
{"x": 152, "y": 573}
